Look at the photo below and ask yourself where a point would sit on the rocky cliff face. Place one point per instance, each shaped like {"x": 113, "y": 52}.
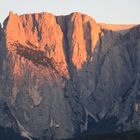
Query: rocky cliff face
{"x": 61, "y": 76}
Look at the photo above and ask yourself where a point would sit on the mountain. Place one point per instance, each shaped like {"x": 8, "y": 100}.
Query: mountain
{"x": 64, "y": 76}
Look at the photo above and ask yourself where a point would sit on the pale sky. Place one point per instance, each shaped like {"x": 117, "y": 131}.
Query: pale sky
{"x": 108, "y": 11}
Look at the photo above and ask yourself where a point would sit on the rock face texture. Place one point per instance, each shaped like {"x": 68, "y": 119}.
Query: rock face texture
{"x": 61, "y": 76}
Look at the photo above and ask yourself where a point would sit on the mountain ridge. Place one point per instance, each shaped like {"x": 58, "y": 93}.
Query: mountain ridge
{"x": 65, "y": 75}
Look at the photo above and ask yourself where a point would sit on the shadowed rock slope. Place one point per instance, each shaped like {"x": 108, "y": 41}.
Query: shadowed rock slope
{"x": 61, "y": 76}
{"x": 129, "y": 135}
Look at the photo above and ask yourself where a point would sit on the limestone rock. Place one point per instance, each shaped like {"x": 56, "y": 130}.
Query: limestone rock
{"x": 65, "y": 75}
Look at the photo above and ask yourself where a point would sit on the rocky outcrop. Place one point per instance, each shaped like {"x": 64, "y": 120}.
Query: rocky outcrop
{"x": 65, "y": 75}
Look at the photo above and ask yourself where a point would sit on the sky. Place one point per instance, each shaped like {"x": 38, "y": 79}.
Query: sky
{"x": 107, "y": 11}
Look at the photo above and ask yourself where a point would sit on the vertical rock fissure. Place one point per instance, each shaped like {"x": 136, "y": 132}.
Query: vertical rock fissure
{"x": 35, "y": 26}
{"x": 87, "y": 37}
{"x": 66, "y": 47}
{"x": 98, "y": 70}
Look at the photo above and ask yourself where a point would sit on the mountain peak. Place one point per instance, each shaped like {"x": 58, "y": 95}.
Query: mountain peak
{"x": 61, "y": 76}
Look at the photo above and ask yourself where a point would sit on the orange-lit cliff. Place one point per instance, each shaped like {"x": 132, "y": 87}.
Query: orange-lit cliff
{"x": 61, "y": 76}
